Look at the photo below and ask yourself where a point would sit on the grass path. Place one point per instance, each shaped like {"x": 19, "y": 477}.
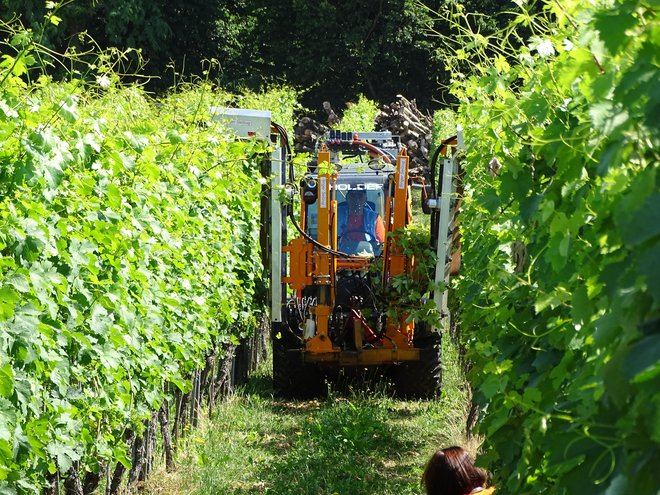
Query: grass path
{"x": 361, "y": 442}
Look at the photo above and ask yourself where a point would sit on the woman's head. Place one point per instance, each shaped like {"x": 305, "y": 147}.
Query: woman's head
{"x": 451, "y": 471}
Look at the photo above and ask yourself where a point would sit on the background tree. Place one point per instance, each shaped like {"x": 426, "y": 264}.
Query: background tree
{"x": 334, "y": 50}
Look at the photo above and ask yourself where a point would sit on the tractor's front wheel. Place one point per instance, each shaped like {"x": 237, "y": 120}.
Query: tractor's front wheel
{"x": 421, "y": 379}
{"x": 292, "y": 377}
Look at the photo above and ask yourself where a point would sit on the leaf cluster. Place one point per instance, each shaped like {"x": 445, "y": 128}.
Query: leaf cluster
{"x": 559, "y": 288}
{"x": 330, "y": 50}
{"x": 128, "y": 252}
{"x": 409, "y": 294}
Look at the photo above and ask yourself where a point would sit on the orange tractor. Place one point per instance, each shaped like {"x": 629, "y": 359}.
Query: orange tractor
{"x": 327, "y": 311}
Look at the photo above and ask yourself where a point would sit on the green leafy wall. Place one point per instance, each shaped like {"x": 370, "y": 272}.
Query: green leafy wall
{"x": 560, "y": 291}
{"x": 128, "y": 253}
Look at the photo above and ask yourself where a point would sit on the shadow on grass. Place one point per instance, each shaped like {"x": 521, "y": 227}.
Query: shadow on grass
{"x": 345, "y": 443}
{"x": 346, "y": 447}
{"x": 259, "y": 383}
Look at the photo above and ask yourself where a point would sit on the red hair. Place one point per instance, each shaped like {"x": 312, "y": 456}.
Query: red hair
{"x": 451, "y": 471}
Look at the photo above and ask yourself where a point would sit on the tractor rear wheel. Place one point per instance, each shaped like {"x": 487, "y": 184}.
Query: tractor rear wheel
{"x": 421, "y": 379}
{"x": 292, "y": 378}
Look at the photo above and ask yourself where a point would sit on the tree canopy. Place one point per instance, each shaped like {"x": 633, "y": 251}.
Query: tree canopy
{"x": 332, "y": 50}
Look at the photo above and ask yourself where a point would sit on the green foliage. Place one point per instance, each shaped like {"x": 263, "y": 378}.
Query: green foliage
{"x": 282, "y": 101}
{"x": 337, "y": 50}
{"x": 410, "y": 294}
{"x": 333, "y": 50}
{"x": 444, "y": 126}
{"x": 360, "y": 116}
{"x": 559, "y": 289}
{"x": 168, "y": 33}
{"x": 195, "y": 98}
{"x": 128, "y": 251}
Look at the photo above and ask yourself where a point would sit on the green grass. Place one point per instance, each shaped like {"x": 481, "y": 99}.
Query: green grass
{"x": 359, "y": 442}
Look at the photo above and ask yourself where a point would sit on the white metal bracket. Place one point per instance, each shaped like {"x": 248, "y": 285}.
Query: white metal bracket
{"x": 447, "y": 194}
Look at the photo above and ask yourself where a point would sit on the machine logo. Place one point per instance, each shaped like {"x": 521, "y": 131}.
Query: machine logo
{"x": 402, "y": 172}
{"x": 323, "y": 192}
{"x": 358, "y": 187}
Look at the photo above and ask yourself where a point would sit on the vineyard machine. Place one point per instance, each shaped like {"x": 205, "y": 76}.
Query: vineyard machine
{"x": 327, "y": 279}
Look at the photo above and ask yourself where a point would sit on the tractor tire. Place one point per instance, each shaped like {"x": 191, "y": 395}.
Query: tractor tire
{"x": 292, "y": 378}
{"x": 421, "y": 379}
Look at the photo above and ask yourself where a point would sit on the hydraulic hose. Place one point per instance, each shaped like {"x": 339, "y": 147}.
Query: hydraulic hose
{"x": 373, "y": 148}
{"x": 434, "y": 160}
{"x": 287, "y": 147}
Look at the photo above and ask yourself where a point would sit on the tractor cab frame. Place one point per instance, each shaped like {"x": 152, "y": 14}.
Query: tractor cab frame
{"x": 325, "y": 306}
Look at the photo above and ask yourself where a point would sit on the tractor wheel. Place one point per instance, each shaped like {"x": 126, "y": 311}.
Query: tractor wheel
{"x": 292, "y": 378}
{"x": 421, "y": 379}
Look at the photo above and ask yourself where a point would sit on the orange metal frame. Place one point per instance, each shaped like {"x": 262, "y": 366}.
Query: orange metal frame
{"x": 309, "y": 265}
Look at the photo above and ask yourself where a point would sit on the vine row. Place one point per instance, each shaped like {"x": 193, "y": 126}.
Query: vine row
{"x": 559, "y": 294}
{"x": 129, "y": 268}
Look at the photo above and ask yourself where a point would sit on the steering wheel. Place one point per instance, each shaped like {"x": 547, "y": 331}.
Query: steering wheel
{"x": 368, "y": 243}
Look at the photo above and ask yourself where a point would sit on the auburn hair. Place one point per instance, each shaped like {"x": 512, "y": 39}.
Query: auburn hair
{"x": 451, "y": 471}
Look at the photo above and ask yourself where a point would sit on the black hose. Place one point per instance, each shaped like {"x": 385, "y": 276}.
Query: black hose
{"x": 287, "y": 147}
{"x": 434, "y": 160}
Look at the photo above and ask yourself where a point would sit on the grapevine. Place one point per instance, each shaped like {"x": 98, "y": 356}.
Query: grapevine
{"x": 129, "y": 257}
{"x": 560, "y": 301}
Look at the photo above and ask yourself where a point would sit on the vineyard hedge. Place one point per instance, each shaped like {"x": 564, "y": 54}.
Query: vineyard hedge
{"x": 128, "y": 252}
{"x": 560, "y": 288}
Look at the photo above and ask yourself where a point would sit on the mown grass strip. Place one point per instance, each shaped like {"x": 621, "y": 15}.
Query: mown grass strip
{"x": 358, "y": 442}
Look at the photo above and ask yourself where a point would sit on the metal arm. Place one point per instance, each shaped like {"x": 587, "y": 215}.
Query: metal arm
{"x": 447, "y": 193}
